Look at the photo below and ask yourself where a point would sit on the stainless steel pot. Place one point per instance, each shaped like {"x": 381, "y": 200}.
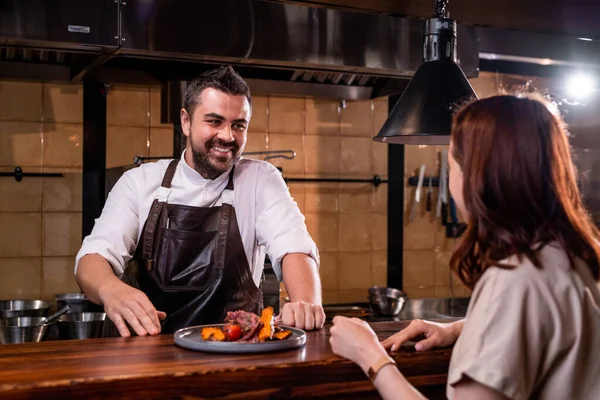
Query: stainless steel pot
{"x": 87, "y": 325}
{"x": 23, "y": 330}
{"x": 78, "y": 301}
{"x": 386, "y": 301}
{"x": 24, "y": 308}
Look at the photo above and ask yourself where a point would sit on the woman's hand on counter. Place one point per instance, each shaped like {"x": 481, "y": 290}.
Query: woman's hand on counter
{"x": 302, "y": 315}
{"x": 125, "y": 303}
{"x": 354, "y": 339}
{"x": 436, "y": 335}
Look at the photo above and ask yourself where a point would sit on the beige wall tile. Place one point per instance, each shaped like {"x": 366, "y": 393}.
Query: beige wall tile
{"x": 322, "y": 117}
{"x": 355, "y": 197}
{"x": 63, "y": 194}
{"x": 58, "y": 276}
{"x": 415, "y": 156}
{"x": 355, "y": 271}
{"x": 297, "y": 193}
{"x": 259, "y": 121}
{"x": 21, "y": 278}
{"x": 322, "y": 197}
{"x": 356, "y": 232}
{"x": 442, "y": 269}
{"x": 419, "y": 234}
{"x": 20, "y": 235}
{"x": 161, "y": 141}
{"x": 420, "y": 292}
{"x": 379, "y": 199}
{"x": 380, "y": 231}
{"x": 20, "y": 144}
{"x": 123, "y": 143}
{"x": 288, "y": 142}
{"x": 256, "y": 142}
{"x": 63, "y": 145}
{"x": 323, "y": 227}
{"x": 380, "y": 113}
{"x": 380, "y": 158}
{"x": 322, "y": 155}
{"x": 356, "y": 157}
{"x": 379, "y": 266}
{"x": 21, "y": 196}
{"x": 63, "y": 103}
{"x": 418, "y": 268}
{"x": 442, "y": 292}
{"x": 62, "y": 234}
{"x": 357, "y": 119}
{"x": 330, "y": 297}
{"x": 21, "y": 101}
{"x": 128, "y": 105}
{"x": 329, "y": 270}
{"x": 286, "y": 115}
{"x": 353, "y": 296}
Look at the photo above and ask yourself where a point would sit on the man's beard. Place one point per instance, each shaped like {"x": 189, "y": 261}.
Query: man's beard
{"x": 212, "y": 166}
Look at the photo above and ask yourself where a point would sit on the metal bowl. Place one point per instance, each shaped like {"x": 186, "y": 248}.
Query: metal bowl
{"x": 386, "y": 301}
{"x": 87, "y": 325}
{"x": 78, "y": 302}
{"x": 22, "y": 330}
{"x": 24, "y": 308}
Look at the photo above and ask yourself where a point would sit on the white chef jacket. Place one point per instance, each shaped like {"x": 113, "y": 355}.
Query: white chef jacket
{"x": 269, "y": 219}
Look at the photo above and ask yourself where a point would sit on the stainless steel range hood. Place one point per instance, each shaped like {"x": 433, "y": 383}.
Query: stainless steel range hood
{"x": 303, "y": 50}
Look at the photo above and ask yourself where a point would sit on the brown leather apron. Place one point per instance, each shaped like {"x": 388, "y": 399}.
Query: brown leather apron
{"x": 191, "y": 264}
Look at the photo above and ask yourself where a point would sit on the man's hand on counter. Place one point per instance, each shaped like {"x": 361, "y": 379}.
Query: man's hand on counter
{"x": 125, "y": 303}
{"x": 302, "y": 315}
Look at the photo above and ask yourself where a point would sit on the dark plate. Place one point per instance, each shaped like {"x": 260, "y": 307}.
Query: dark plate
{"x": 191, "y": 338}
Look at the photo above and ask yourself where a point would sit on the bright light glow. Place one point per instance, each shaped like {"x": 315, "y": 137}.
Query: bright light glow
{"x": 546, "y": 61}
{"x": 586, "y": 39}
{"x": 580, "y": 86}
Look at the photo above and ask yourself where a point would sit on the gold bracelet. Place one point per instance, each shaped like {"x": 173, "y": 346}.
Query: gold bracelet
{"x": 374, "y": 369}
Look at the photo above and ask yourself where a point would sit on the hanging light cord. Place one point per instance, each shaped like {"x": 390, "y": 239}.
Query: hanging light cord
{"x": 440, "y": 8}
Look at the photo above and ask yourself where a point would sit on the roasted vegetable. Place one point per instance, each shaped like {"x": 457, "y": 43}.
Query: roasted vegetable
{"x": 282, "y": 334}
{"x": 213, "y": 334}
{"x": 268, "y": 324}
{"x": 232, "y": 332}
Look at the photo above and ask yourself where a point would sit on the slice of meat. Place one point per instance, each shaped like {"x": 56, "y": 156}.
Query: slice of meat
{"x": 252, "y": 335}
{"x": 246, "y": 320}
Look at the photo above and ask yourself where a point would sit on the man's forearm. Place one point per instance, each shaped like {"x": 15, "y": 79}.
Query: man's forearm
{"x": 301, "y": 278}
{"x": 94, "y": 273}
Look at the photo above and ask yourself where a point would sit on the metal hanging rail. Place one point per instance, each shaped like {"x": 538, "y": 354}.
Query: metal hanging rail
{"x": 18, "y": 174}
{"x": 375, "y": 181}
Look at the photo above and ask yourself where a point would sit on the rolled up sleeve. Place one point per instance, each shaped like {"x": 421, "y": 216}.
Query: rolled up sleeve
{"x": 115, "y": 232}
{"x": 280, "y": 225}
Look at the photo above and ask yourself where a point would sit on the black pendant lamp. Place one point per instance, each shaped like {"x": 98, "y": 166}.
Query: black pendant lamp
{"x": 423, "y": 115}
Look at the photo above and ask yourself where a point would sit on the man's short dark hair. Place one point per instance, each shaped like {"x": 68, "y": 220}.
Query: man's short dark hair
{"x": 224, "y": 79}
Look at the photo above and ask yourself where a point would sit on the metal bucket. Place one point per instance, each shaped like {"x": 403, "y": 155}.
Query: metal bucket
{"x": 78, "y": 302}
{"x": 22, "y": 330}
{"x": 87, "y": 325}
{"x": 386, "y": 301}
{"x": 24, "y": 308}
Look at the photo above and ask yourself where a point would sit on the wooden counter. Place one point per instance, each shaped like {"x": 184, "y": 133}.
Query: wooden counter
{"x": 154, "y": 368}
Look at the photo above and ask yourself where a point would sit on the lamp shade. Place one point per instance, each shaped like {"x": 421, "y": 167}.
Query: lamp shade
{"x": 423, "y": 114}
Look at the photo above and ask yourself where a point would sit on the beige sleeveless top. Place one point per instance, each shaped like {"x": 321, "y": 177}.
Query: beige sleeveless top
{"x": 532, "y": 333}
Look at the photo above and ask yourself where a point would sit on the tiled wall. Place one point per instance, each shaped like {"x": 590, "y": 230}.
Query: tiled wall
{"x": 348, "y": 221}
{"x": 40, "y": 218}
{"x": 426, "y": 248}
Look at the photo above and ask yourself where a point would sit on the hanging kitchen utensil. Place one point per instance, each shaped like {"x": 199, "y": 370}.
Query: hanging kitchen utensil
{"x": 442, "y": 203}
{"x": 415, "y": 203}
{"x": 429, "y": 190}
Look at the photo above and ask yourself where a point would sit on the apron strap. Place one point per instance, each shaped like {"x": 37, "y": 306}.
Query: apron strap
{"x": 155, "y": 211}
{"x": 230, "y": 182}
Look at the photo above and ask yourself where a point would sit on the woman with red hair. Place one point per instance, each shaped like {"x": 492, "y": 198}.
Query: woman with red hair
{"x": 531, "y": 256}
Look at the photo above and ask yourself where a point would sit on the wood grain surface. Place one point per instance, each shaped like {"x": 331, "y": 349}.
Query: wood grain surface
{"x": 155, "y": 368}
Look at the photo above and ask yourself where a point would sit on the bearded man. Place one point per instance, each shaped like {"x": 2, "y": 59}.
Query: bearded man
{"x": 182, "y": 242}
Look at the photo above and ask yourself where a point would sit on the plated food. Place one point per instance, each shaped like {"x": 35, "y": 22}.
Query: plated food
{"x": 246, "y": 327}
{"x": 241, "y": 333}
